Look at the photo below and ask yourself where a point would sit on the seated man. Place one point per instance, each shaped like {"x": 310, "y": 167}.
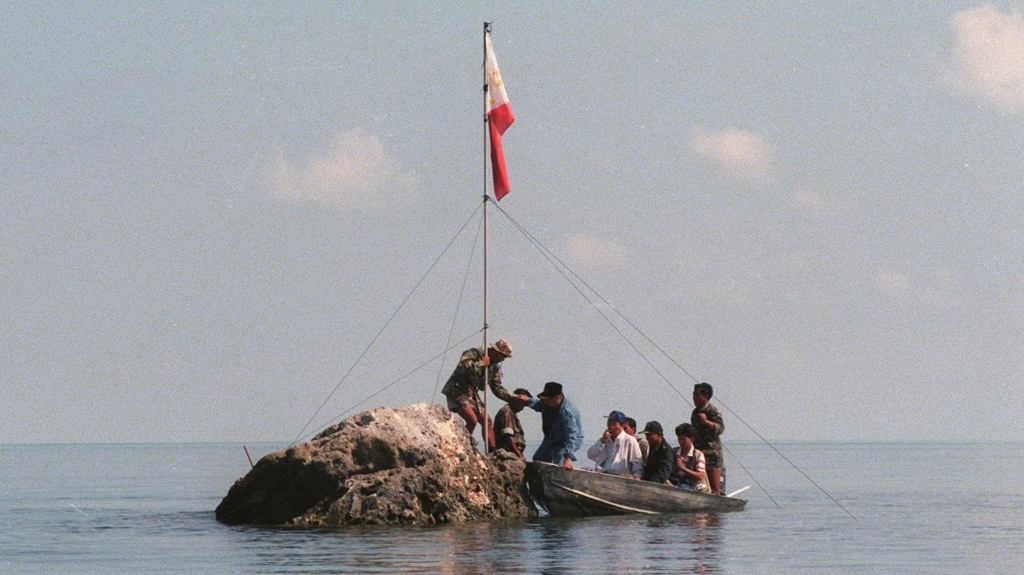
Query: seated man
{"x": 616, "y": 452}
{"x": 658, "y": 467}
{"x": 508, "y": 431}
{"x": 630, "y": 428}
{"x": 689, "y": 471}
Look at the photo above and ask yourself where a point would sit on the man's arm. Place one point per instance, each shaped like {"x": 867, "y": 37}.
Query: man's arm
{"x": 573, "y": 434}
{"x": 635, "y": 459}
{"x": 716, "y": 417}
{"x": 497, "y": 388}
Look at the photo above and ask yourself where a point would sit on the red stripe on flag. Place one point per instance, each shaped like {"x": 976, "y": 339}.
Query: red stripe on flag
{"x": 499, "y": 119}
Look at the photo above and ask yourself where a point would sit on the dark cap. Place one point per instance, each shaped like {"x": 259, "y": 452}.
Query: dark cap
{"x": 617, "y": 416}
{"x": 653, "y": 427}
{"x": 551, "y": 389}
{"x": 706, "y": 388}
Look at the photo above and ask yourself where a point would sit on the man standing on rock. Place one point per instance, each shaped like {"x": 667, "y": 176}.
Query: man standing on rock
{"x": 562, "y": 426}
{"x": 470, "y": 376}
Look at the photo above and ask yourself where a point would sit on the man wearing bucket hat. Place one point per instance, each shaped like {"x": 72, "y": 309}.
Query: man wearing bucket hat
{"x": 562, "y": 426}
{"x": 463, "y": 387}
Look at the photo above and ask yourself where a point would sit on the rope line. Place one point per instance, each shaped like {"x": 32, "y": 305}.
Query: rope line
{"x": 455, "y": 316}
{"x": 376, "y": 337}
{"x": 547, "y": 254}
{"x": 552, "y": 258}
{"x": 395, "y": 382}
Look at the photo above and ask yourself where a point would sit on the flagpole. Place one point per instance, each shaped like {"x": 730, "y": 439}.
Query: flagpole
{"x": 487, "y": 370}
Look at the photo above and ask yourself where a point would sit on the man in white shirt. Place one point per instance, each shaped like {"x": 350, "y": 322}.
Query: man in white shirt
{"x": 616, "y": 452}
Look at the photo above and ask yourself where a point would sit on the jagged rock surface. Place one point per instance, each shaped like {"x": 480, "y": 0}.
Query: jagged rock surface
{"x": 414, "y": 465}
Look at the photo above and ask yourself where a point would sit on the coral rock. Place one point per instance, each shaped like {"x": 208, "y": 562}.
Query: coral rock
{"x": 414, "y": 465}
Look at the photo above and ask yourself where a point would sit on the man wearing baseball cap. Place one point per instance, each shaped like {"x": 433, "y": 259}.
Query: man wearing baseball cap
{"x": 562, "y": 426}
{"x": 617, "y": 452}
{"x": 469, "y": 378}
{"x": 658, "y": 466}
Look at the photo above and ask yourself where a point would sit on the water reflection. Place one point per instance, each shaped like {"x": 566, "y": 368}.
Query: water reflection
{"x": 697, "y": 538}
{"x": 683, "y": 543}
{"x": 663, "y": 544}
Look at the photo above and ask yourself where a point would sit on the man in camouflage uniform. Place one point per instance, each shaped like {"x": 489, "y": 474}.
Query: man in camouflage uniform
{"x": 468, "y": 379}
{"x": 508, "y": 431}
{"x": 707, "y": 421}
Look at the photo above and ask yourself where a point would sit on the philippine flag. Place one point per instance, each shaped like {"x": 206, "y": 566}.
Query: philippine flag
{"x": 499, "y": 118}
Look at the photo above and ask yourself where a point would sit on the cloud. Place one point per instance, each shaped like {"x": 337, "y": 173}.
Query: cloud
{"x": 356, "y": 171}
{"x": 937, "y": 289}
{"x": 892, "y": 284}
{"x": 815, "y": 205}
{"x": 738, "y": 153}
{"x": 987, "y": 60}
{"x": 593, "y": 251}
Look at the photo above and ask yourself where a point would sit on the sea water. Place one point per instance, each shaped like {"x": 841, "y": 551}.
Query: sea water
{"x": 814, "y": 508}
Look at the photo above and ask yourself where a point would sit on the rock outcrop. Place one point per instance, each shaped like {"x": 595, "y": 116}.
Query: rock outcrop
{"x": 414, "y": 465}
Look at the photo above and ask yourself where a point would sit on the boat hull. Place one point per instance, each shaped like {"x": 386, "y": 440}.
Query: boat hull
{"x": 585, "y": 493}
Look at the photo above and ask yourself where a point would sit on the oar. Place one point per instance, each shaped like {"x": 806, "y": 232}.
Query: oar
{"x": 738, "y": 491}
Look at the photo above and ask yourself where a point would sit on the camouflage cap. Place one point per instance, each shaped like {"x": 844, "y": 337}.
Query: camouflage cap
{"x": 502, "y": 346}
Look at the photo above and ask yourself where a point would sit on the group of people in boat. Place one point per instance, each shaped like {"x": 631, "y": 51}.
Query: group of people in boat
{"x": 696, "y": 463}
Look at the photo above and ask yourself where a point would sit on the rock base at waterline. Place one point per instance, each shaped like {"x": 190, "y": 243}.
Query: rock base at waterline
{"x": 414, "y": 465}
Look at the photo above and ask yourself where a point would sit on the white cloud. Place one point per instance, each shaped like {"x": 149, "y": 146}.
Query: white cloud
{"x": 937, "y": 289}
{"x": 987, "y": 61}
{"x": 593, "y": 251}
{"x": 892, "y": 284}
{"x": 740, "y": 154}
{"x": 816, "y": 205}
{"x": 355, "y": 171}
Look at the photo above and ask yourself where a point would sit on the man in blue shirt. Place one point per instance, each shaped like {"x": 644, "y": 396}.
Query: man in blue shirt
{"x": 562, "y": 426}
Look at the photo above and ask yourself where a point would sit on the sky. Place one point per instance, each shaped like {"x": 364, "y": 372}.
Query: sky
{"x": 241, "y": 222}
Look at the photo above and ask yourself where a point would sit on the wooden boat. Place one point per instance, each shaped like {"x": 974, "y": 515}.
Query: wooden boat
{"x": 584, "y": 493}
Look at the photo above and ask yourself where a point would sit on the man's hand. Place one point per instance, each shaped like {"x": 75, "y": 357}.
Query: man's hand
{"x": 487, "y": 361}
{"x": 523, "y": 399}
{"x": 567, "y": 464}
{"x": 605, "y": 436}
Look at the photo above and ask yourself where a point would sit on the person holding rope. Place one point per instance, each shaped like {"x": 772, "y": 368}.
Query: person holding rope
{"x": 461, "y": 389}
{"x": 707, "y": 422}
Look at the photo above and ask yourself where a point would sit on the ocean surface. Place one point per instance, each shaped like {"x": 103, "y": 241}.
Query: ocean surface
{"x": 898, "y": 508}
